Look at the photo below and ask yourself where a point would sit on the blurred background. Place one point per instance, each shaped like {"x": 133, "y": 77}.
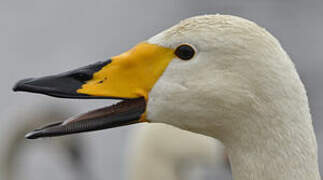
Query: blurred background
{"x": 40, "y": 37}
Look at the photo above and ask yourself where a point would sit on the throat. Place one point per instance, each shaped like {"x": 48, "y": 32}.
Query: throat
{"x": 279, "y": 154}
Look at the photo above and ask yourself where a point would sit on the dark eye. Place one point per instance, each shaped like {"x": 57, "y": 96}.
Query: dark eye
{"x": 184, "y": 52}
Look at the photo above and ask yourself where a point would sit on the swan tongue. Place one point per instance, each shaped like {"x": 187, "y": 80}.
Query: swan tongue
{"x": 123, "y": 113}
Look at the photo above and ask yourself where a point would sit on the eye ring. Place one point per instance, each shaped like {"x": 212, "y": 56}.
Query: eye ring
{"x": 185, "y": 52}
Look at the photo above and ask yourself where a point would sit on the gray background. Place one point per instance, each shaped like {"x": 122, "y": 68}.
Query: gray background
{"x": 39, "y": 37}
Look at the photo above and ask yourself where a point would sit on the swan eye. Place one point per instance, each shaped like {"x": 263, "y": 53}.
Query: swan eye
{"x": 184, "y": 52}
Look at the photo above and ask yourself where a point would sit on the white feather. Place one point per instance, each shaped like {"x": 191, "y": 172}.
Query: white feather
{"x": 159, "y": 151}
{"x": 241, "y": 88}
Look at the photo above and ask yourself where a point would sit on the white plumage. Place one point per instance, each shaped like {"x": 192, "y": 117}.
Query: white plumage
{"x": 241, "y": 88}
{"x": 13, "y": 148}
{"x": 159, "y": 151}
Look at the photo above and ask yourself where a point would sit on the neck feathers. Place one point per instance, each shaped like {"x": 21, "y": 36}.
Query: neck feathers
{"x": 283, "y": 148}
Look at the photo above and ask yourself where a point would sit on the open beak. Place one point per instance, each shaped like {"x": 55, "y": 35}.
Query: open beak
{"x": 129, "y": 77}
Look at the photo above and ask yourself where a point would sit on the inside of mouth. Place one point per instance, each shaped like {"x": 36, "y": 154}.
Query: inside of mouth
{"x": 124, "y": 106}
{"x": 122, "y": 113}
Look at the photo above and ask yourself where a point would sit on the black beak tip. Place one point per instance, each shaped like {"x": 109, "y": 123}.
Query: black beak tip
{"x": 21, "y": 85}
{"x": 46, "y": 131}
{"x": 33, "y": 134}
{"x": 17, "y": 86}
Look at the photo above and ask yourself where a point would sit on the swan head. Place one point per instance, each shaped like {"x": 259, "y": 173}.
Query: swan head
{"x": 239, "y": 79}
{"x": 216, "y": 72}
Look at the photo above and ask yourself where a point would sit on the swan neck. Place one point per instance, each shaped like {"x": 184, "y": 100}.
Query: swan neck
{"x": 282, "y": 153}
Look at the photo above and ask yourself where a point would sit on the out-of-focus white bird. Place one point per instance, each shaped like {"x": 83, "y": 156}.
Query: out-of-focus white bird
{"x": 14, "y": 147}
{"x": 159, "y": 151}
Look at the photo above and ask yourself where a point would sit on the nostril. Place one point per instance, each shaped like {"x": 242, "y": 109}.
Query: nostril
{"x": 81, "y": 76}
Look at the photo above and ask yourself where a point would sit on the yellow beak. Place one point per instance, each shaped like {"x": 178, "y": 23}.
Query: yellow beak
{"x": 131, "y": 74}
